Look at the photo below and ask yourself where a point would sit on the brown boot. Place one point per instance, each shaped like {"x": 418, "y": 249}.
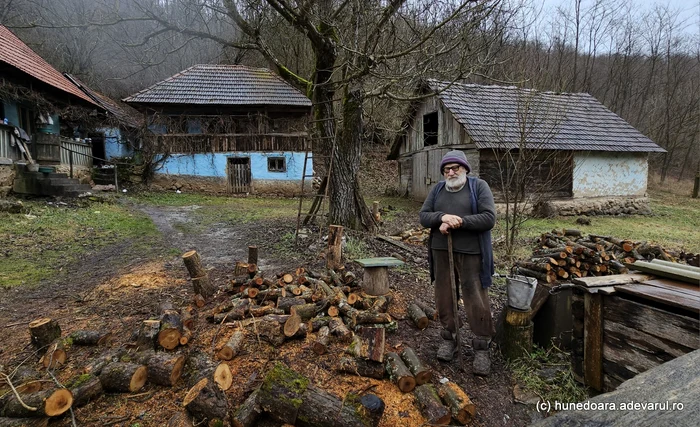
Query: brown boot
{"x": 482, "y": 357}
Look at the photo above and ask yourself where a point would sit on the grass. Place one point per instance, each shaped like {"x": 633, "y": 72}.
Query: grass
{"x": 38, "y": 244}
{"x": 561, "y": 386}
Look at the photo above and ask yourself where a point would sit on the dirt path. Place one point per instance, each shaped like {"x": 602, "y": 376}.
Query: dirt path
{"x": 119, "y": 286}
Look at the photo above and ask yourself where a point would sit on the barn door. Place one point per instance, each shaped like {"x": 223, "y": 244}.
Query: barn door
{"x": 238, "y": 171}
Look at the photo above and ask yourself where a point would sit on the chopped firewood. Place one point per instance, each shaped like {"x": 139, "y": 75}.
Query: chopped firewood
{"x": 459, "y": 403}
{"x": 206, "y": 401}
{"x": 361, "y": 367}
{"x": 43, "y": 332}
{"x": 83, "y": 337}
{"x": 248, "y": 413}
{"x": 338, "y": 328}
{"x": 186, "y": 336}
{"x": 317, "y": 323}
{"x": 392, "y": 326}
{"x": 381, "y": 304}
{"x": 418, "y": 316}
{"x": 272, "y": 329}
{"x": 287, "y": 302}
{"x": 349, "y": 277}
{"x": 163, "y": 368}
{"x": 98, "y": 363}
{"x": 148, "y": 335}
{"x": 304, "y": 311}
{"x": 44, "y": 403}
{"x": 421, "y": 373}
{"x": 85, "y": 389}
{"x": 373, "y": 342}
{"x": 292, "y": 325}
{"x": 23, "y": 422}
{"x": 180, "y": 419}
{"x": 232, "y": 346}
{"x": 123, "y": 377}
{"x": 430, "y": 406}
{"x": 200, "y": 365}
{"x": 429, "y": 311}
{"x": 333, "y": 311}
{"x": 170, "y": 327}
{"x": 399, "y": 373}
{"x": 320, "y": 346}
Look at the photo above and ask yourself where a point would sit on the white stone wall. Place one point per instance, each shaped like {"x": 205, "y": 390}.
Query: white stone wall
{"x": 600, "y": 174}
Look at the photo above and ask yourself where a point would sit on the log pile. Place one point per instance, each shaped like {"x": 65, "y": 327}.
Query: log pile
{"x": 414, "y": 235}
{"x": 566, "y": 254}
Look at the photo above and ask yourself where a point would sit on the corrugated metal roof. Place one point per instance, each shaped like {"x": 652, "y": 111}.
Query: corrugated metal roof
{"x": 126, "y": 114}
{"x": 14, "y": 52}
{"x": 503, "y": 116}
{"x": 222, "y": 85}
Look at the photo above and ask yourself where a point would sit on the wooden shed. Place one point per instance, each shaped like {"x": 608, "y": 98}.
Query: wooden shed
{"x": 626, "y": 324}
{"x": 600, "y": 153}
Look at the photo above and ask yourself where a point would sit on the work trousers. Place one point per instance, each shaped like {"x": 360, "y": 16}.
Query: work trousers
{"x": 476, "y": 299}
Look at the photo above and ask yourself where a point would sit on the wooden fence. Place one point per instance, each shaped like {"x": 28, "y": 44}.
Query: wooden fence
{"x": 6, "y": 150}
{"x": 80, "y": 151}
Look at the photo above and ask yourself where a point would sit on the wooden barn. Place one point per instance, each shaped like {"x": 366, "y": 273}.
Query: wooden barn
{"x": 228, "y": 128}
{"x": 601, "y": 154}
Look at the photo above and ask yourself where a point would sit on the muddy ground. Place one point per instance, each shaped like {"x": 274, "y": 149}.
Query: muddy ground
{"x": 121, "y": 285}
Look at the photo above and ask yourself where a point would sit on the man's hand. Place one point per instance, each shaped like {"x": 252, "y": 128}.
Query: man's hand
{"x": 453, "y": 221}
{"x": 445, "y": 228}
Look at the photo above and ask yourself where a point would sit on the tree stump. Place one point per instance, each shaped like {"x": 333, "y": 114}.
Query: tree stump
{"x": 421, "y": 373}
{"x": 206, "y": 401}
{"x": 85, "y": 389}
{"x": 232, "y": 346}
{"x": 430, "y": 406}
{"x": 48, "y": 403}
{"x": 461, "y": 406}
{"x": 517, "y": 340}
{"x": 376, "y": 280}
{"x": 248, "y": 413}
{"x": 123, "y": 377}
{"x": 252, "y": 254}
{"x": 334, "y": 259}
{"x": 43, "y": 332}
{"x": 399, "y": 373}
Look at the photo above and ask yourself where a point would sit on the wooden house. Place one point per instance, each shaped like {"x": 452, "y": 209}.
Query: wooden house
{"x": 228, "y": 128}
{"x": 599, "y": 153}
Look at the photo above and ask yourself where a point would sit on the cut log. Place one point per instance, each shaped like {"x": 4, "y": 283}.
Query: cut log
{"x": 43, "y": 332}
{"x": 206, "y": 401}
{"x": 381, "y": 304}
{"x": 200, "y": 365}
{"x": 85, "y": 389}
{"x": 55, "y": 355}
{"x": 338, "y": 329}
{"x": 399, "y": 373}
{"x": 349, "y": 277}
{"x": 361, "y": 367}
{"x": 418, "y": 316}
{"x": 232, "y": 347}
{"x": 517, "y": 340}
{"x": 518, "y": 317}
{"x": 392, "y": 326}
{"x": 252, "y": 254}
{"x": 23, "y": 422}
{"x": 320, "y": 346}
{"x": 148, "y": 335}
{"x": 422, "y": 374}
{"x": 170, "y": 329}
{"x": 292, "y": 325}
{"x": 373, "y": 343}
{"x": 287, "y": 302}
{"x": 241, "y": 268}
{"x": 304, "y": 311}
{"x": 248, "y": 413}
{"x": 203, "y": 286}
{"x": 194, "y": 264}
{"x": 459, "y": 403}
{"x": 334, "y": 258}
{"x": 429, "y": 311}
{"x": 199, "y": 301}
{"x": 333, "y": 311}
{"x": 180, "y": 419}
{"x": 84, "y": 337}
{"x": 163, "y": 368}
{"x": 430, "y": 406}
{"x": 317, "y": 323}
{"x": 48, "y": 403}
{"x": 123, "y": 377}
{"x": 98, "y": 363}
{"x": 186, "y": 336}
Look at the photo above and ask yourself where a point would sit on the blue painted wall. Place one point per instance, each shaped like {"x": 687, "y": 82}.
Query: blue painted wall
{"x": 214, "y": 165}
{"x": 12, "y": 115}
{"x": 599, "y": 173}
{"x": 115, "y": 146}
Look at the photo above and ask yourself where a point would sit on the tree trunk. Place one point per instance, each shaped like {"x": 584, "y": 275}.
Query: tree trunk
{"x": 123, "y": 377}
{"x": 43, "y": 332}
{"x": 206, "y": 401}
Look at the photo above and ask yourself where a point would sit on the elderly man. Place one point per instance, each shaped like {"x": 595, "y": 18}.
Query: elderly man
{"x": 463, "y": 206}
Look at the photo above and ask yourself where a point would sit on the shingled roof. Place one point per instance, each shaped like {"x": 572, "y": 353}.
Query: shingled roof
{"x": 502, "y": 116}
{"x": 222, "y": 85}
{"x": 125, "y": 114}
{"x": 15, "y": 53}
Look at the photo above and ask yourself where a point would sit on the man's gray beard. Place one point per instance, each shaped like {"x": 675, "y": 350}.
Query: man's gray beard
{"x": 457, "y": 184}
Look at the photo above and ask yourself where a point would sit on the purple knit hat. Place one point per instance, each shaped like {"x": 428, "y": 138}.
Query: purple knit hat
{"x": 455, "y": 156}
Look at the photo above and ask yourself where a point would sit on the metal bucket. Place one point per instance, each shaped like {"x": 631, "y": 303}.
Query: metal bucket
{"x": 520, "y": 290}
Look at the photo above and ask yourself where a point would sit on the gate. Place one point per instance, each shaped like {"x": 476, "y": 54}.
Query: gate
{"x": 238, "y": 170}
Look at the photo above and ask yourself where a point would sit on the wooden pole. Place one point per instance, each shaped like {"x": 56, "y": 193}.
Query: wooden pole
{"x": 252, "y": 254}
{"x": 335, "y": 250}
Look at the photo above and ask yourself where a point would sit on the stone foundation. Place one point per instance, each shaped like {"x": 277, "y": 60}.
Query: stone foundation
{"x": 7, "y": 176}
{"x": 81, "y": 173}
{"x": 592, "y": 206}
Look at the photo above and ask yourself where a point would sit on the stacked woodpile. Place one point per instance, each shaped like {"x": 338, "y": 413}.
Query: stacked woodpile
{"x": 566, "y": 254}
{"x": 414, "y": 235}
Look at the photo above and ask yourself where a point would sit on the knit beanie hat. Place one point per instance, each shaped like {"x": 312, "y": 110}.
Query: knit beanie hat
{"x": 455, "y": 156}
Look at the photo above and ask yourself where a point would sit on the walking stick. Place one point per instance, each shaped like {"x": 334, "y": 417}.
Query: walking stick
{"x": 455, "y": 312}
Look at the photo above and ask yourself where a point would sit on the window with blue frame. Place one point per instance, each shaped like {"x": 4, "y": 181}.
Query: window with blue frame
{"x": 276, "y": 164}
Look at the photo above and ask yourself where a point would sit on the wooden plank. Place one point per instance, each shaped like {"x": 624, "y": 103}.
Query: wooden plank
{"x": 662, "y": 295}
{"x": 593, "y": 341}
{"x": 398, "y": 244}
{"x": 614, "y": 279}
{"x": 379, "y": 262}
{"x": 666, "y": 271}
{"x": 685, "y": 288}
{"x": 683, "y": 330}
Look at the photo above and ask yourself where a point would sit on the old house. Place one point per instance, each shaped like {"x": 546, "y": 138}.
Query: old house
{"x": 227, "y": 128}
{"x": 43, "y": 109}
{"x": 597, "y": 153}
